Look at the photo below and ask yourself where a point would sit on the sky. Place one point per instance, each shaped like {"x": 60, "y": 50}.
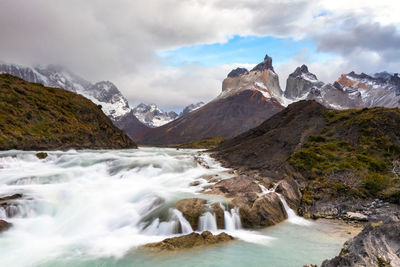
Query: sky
{"x": 177, "y": 52}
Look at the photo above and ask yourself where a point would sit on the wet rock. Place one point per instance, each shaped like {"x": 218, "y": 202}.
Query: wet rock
{"x": 4, "y": 226}
{"x": 195, "y": 183}
{"x": 8, "y": 204}
{"x": 267, "y": 210}
{"x": 377, "y": 245}
{"x": 289, "y": 189}
{"x": 189, "y": 241}
{"x": 41, "y": 155}
{"x": 11, "y": 197}
{"x": 192, "y": 209}
{"x": 219, "y": 215}
{"x": 241, "y": 186}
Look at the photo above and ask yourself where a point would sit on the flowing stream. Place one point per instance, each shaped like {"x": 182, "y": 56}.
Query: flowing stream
{"x": 94, "y": 208}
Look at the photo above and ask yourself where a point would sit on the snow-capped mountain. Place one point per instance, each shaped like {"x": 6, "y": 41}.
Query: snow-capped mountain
{"x": 349, "y": 91}
{"x": 191, "y": 107}
{"x": 104, "y": 93}
{"x": 152, "y": 115}
{"x": 381, "y": 89}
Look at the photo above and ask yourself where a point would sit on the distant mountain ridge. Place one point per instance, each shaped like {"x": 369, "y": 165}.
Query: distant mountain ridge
{"x": 153, "y": 116}
{"x": 103, "y": 93}
{"x": 348, "y": 91}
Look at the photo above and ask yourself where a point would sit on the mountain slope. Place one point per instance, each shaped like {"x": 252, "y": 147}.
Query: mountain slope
{"x": 34, "y": 117}
{"x": 247, "y": 99}
{"x": 104, "y": 93}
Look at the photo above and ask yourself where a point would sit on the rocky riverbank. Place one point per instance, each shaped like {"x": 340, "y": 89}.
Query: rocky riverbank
{"x": 327, "y": 164}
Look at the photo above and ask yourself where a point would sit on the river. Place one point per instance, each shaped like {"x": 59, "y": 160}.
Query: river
{"x": 95, "y": 208}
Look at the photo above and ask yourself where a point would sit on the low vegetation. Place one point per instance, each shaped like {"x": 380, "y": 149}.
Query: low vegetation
{"x": 206, "y": 143}
{"x": 355, "y": 154}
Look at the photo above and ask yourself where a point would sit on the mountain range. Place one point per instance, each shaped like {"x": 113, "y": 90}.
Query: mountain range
{"x": 247, "y": 99}
{"x": 135, "y": 122}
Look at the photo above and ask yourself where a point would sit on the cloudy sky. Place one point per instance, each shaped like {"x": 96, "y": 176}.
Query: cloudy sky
{"x": 176, "y": 52}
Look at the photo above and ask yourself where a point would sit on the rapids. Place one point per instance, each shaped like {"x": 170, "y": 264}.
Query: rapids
{"x": 94, "y": 208}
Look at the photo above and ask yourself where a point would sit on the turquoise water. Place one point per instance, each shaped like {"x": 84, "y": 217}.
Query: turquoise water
{"x": 95, "y": 208}
{"x": 293, "y": 245}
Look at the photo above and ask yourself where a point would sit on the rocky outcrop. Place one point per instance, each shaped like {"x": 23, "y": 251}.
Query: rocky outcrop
{"x": 266, "y": 210}
{"x": 377, "y": 245}
{"x": 192, "y": 209}
{"x": 192, "y": 240}
{"x": 255, "y": 208}
{"x": 34, "y": 117}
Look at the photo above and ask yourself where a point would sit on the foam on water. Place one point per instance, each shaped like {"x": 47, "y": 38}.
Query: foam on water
{"x": 101, "y": 203}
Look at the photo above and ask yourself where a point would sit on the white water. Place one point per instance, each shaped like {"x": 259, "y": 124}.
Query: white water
{"x": 292, "y": 216}
{"x": 102, "y": 203}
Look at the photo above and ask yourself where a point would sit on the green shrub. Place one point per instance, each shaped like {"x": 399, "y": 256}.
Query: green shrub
{"x": 375, "y": 182}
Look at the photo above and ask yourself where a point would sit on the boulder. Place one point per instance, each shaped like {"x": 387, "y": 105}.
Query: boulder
{"x": 356, "y": 216}
{"x": 241, "y": 186}
{"x": 192, "y": 209}
{"x": 265, "y": 211}
{"x": 289, "y": 189}
{"x": 377, "y": 245}
{"x": 189, "y": 241}
{"x": 41, "y": 155}
{"x": 219, "y": 215}
{"x": 4, "y": 226}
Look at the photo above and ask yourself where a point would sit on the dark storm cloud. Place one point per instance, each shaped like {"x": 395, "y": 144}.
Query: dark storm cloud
{"x": 367, "y": 37}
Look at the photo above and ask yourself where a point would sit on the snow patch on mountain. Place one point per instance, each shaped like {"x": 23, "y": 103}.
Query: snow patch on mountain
{"x": 152, "y": 115}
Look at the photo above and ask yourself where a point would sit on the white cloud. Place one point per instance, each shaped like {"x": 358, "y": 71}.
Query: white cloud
{"x": 117, "y": 40}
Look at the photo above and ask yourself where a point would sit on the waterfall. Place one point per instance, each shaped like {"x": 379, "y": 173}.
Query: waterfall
{"x": 232, "y": 220}
{"x": 170, "y": 227}
{"x": 185, "y": 225}
{"x": 292, "y": 216}
{"x": 264, "y": 190}
{"x": 208, "y": 221}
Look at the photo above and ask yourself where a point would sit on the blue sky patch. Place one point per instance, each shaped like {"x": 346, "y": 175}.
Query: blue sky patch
{"x": 246, "y": 50}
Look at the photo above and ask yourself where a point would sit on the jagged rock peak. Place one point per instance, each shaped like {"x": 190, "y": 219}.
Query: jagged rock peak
{"x": 359, "y": 76}
{"x": 237, "y": 72}
{"x": 265, "y": 65}
{"x": 303, "y": 69}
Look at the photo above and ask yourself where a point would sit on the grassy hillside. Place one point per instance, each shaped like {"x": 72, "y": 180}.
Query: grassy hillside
{"x": 36, "y": 117}
{"x": 357, "y": 153}
{"x": 341, "y": 154}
